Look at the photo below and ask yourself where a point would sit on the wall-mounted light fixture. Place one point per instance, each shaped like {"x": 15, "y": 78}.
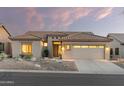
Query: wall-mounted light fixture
{"x": 45, "y": 44}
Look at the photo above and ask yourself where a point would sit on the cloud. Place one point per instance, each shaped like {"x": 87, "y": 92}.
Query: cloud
{"x": 61, "y": 18}
{"x": 34, "y": 19}
{"x": 103, "y": 13}
{"x": 65, "y": 17}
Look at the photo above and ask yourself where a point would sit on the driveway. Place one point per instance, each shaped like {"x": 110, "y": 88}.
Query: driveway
{"x": 98, "y": 67}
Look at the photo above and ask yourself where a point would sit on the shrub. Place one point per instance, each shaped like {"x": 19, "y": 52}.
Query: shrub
{"x": 21, "y": 55}
{"x": 18, "y": 58}
{"x": 45, "y": 52}
{"x": 3, "y": 56}
{"x": 28, "y": 57}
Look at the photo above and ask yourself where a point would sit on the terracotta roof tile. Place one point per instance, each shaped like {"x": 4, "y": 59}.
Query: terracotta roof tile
{"x": 25, "y": 37}
{"x": 67, "y": 36}
{"x": 85, "y": 37}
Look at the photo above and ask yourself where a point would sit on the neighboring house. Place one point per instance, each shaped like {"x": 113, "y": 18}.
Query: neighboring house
{"x": 117, "y": 45}
{"x": 5, "y": 43}
{"x": 66, "y": 45}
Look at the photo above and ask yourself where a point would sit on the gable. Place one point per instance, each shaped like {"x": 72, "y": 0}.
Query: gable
{"x": 4, "y": 34}
{"x": 119, "y": 37}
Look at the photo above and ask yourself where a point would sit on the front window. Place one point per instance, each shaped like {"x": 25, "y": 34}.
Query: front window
{"x": 1, "y": 47}
{"x": 88, "y": 46}
{"x": 27, "y": 48}
{"x": 116, "y": 51}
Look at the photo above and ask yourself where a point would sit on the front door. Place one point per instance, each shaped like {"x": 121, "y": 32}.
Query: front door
{"x": 56, "y": 48}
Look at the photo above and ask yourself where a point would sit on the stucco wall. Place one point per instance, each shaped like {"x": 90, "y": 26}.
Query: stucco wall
{"x": 36, "y": 48}
{"x": 116, "y": 44}
{"x": 3, "y": 35}
{"x": 4, "y": 39}
{"x": 16, "y": 48}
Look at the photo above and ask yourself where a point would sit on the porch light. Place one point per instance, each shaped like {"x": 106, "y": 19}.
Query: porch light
{"x": 107, "y": 48}
{"x": 45, "y": 44}
{"x": 68, "y": 47}
{"x": 63, "y": 48}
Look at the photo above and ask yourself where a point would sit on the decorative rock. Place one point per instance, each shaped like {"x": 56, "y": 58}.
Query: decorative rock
{"x": 33, "y": 59}
{"x": 46, "y": 58}
{"x": 37, "y": 65}
{"x": 59, "y": 61}
{"x": 20, "y": 59}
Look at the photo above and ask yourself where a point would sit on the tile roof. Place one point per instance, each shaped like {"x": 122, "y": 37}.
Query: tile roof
{"x": 67, "y": 36}
{"x": 85, "y": 37}
{"x": 25, "y": 37}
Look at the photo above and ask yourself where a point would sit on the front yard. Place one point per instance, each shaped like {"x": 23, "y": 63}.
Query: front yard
{"x": 120, "y": 64}
{"x": 51, "y": 65}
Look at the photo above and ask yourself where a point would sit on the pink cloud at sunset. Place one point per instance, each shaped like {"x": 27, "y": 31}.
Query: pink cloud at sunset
{"x": 62, "y": 17}
{"x": 103, "y": 13}
{"x": 34, "y": 18}
{"x": 65, "y": 17}
{"x": 96, "y": 19}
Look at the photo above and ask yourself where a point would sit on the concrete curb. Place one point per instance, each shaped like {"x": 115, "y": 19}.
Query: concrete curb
{"x": 66, "y": 72}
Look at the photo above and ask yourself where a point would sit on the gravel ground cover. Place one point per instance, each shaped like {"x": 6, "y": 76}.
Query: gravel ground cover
{"x": 120, "y": 64}
{"x": 38, "y": 65}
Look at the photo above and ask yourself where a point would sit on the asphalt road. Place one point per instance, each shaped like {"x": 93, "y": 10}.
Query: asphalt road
{"x": 59, "y": 79}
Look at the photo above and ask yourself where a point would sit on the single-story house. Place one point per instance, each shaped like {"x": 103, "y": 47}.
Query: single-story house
{"x": 117, "y": 45}
{"x": 66, "y": 45}
{"x": 5, "y": 43}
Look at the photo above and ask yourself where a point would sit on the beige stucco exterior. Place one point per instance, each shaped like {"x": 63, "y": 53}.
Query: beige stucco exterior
{"x": 5, "y": 40}
{"x": 116, "y": 44}
{"x": 36, "y": 48}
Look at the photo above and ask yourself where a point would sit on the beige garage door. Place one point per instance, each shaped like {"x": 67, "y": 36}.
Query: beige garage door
{"x": 85, "y": 52}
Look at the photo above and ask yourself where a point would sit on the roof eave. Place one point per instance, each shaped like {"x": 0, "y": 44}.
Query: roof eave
{"x": 24, "y": 39}
{"x": 85, "y": 41}
{"x": 5, "y": 30}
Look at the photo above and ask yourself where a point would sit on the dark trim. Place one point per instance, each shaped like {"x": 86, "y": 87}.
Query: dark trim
{"x": 6, "y": 30}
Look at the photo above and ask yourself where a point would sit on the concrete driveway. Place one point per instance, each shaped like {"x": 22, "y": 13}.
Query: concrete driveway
{"x": 98, "y": 67}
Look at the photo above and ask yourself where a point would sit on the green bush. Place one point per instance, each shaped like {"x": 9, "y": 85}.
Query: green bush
{"x": 45, "y": 52}
{"x": 28, "y": 57}
{"x": 3, "y": 56}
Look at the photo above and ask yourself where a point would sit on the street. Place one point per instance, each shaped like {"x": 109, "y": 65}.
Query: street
{"x": 59, "y": 79}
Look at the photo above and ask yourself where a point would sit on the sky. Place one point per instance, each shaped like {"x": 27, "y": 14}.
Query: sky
{"x": 99, "y": 20}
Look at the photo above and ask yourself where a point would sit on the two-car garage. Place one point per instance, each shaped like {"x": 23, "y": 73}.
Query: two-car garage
{"x": 83, "y": 52}
{"x": 85, "y": 46}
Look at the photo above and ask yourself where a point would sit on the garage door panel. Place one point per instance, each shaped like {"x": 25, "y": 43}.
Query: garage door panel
{"x": 88, "y": 53}
{"x": 85, "y": 53}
